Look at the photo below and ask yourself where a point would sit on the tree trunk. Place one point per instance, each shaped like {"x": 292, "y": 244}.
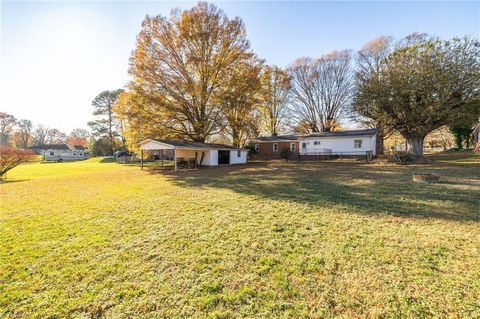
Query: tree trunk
{"x": 379, "y": 142}
{"x": 415, "y": 145}
{"x": 111, "y": 144}
{"x": 458, "y": 140}
{"x": 235, "y": 138}
{"x": 467, "y": 140}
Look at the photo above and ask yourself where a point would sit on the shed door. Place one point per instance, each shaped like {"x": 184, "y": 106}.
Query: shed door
{"x": 223, "y": 157}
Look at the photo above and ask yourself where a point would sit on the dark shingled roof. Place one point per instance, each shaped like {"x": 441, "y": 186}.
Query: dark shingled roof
{"x": 367, "y": 132}
{"x": 51, "y": 147}
{"x": 58, "y": 147}
{"x": 181, "y": 143}
{"x": 277, "y": 138}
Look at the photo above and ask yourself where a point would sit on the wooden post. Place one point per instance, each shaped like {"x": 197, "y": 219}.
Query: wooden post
{"x": 141, "y": 158}
{"x": 175, "y": 158}
{"x": 162, "y": 159}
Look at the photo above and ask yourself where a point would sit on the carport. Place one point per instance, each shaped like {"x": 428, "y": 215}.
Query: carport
{"x": 199, "y": 154}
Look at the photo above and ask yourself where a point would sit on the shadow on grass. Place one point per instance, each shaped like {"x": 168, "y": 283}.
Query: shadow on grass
{"x": 11, "y": 181}
{"x": 351, "y": 187}
{"x": 107, "y": 160}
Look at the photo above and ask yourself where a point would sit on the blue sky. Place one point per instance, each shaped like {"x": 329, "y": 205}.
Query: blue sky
{"x": 56, "y": 56}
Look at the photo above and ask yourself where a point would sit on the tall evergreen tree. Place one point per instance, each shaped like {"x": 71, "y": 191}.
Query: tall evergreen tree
{"x": 106, "y": 124}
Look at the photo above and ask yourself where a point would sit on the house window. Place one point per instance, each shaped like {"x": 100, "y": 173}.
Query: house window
{"x": 292, "y": 147}
{"x": 51, "y": 153}
{"x": 357, "y": 144}
{"x": 256, "y": 147}
{"x": 239, "y": 153}
{"x": 275, "y": 147}
{"x": 304, "y": 145}
{"x": 316, "y": 143}
{"x": 74, "y": 154}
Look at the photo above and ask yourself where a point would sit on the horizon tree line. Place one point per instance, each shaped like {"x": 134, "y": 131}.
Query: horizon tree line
{"x": 24, "y": 134}
{"x": 194, "y": 76}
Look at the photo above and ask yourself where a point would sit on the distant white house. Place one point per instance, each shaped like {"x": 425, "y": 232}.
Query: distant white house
{"x": 200, "y": 154}
{"x": 61, "y": 152}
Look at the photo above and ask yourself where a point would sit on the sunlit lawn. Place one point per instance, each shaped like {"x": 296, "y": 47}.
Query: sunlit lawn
{"x": 96, "y": 239}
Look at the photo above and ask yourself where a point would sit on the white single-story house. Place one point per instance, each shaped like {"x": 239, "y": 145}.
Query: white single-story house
{"x": 354, "y": 142}
{"x": 61, "y": 152}
{"x": 348, "y": 143}
{"x": 202, "y": 154}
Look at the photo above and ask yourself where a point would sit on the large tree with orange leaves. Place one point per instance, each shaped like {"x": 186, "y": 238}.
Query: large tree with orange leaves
{"x": 275, "y": 97}
{"x": 239, "y": 100}
{"x": 183, "y": 64}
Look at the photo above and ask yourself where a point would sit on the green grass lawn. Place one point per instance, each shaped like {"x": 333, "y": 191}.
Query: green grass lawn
{"x": 96, "y": 239}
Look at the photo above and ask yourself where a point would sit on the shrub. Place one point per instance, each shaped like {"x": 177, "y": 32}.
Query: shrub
{"x": 401, "y": 157}
{"x": 285, "y": 153}
{"x": 11, "y": 158}
{"x": 251, "y": 148}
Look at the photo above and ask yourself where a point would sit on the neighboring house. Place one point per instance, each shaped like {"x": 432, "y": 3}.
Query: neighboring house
{"x": 476, "y": 137}
{"x": 61, "y": 152}
{"x": 201, "y": 154}
{"x": 345, "y": 143}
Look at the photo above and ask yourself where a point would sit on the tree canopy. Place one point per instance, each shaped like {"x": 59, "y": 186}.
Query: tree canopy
{"x": 422, "y": 85}
{"x": 195, "y": 77}
{"x": 182, "y": 63}
{"x": 275, "y": 98}
{"x": 239, "y": 100}
{"x": 321, "y": 90}
{"x": 7, "y": 123}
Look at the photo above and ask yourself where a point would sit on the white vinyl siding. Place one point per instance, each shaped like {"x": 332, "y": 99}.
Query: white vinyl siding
{"x": 63, "y": 155}
{"x": 238, "y": 157}
{"x": 337, "y": 145}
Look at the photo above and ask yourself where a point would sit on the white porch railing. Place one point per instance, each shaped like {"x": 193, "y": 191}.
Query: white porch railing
{"x": 318, "y": 151}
